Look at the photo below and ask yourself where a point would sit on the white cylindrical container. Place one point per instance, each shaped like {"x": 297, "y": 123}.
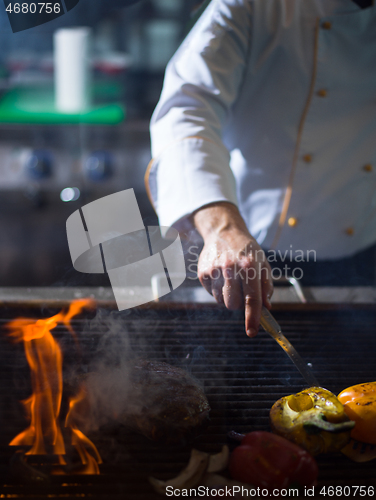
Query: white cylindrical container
{"x": 72, "y": 69}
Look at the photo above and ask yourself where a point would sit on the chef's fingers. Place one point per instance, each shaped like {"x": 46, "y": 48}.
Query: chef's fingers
{"x": 205, "y": 281}
{"x": 217, "y": 283}
{"x": 252, "y": 303}
{"x": 212, "y": 280}
{"x": 267, "y": 286}
{"x": 232, "y": 289}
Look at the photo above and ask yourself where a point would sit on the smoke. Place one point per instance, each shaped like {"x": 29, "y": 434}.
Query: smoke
{"x": 106, "y": 381}
{"x": 109, "y": 395}
{"x": 159, "y": 400}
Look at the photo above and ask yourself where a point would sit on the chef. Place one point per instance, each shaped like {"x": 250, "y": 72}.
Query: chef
{"x": 265, "y": 138}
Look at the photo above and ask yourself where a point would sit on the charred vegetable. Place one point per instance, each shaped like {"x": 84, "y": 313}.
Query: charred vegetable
{"x": 313, "y": 419}
{"x": 188, "y": 478}
{"x": 269, "y": 461}
{"x": 200, "y": 470}
{"x": 359, "y": 402}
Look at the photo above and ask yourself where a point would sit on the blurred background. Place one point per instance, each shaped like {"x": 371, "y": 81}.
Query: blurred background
{"x": 51, "y": 162}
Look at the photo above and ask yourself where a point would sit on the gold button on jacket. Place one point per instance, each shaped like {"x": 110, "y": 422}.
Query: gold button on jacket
{"x": 307, "y": 158}
{"x": 326, "y": 25}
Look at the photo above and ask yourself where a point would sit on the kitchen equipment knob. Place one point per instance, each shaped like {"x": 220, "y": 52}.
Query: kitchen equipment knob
{"x": 39, "y": 164}
{"x": 99, "y": 166}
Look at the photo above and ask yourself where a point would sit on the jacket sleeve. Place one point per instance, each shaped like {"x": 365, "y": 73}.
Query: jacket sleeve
{"x": 190, "y": 166}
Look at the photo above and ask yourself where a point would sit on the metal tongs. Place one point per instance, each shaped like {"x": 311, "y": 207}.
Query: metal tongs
{"x": 271, "y": 326}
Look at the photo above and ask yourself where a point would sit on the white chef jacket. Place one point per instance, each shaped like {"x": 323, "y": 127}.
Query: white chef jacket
{"x": 271, "y": 105}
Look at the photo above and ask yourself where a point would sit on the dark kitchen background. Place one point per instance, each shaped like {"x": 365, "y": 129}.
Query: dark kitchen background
{"x": 40, "y": 160}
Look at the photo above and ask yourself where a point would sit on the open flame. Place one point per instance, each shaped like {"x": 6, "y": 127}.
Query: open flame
{"x": 45, "y": 359}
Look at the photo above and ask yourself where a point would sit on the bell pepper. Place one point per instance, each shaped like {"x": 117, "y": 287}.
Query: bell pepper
{"x": 359, "y": 402}
{"x": 268, "y": 461}
{"x": 313, "y": 419}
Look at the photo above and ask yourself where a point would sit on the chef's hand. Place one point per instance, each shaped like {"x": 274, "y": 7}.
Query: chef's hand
{"x": 232, "y": 266}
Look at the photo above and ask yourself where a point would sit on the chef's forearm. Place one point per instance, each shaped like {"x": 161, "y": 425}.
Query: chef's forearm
{"x": 218, "y": 219}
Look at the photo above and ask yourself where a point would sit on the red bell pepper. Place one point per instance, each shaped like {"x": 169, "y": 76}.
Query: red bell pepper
{"x": 269, "y": 461}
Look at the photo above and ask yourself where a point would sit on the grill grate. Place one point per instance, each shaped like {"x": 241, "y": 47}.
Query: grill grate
{"x": 242, "y": 379}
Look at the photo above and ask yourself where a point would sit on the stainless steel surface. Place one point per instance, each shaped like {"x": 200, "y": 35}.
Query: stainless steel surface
{"x": 271, "y": 326}
{"x": 187, "y": 294}
{"x": 296, "y": 286}
{"x": 33, "y": 242}
{"x": 72, "y": 153}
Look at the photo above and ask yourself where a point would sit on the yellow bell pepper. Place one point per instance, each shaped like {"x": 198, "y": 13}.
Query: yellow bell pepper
{"x": 359, "y": 402}
{"x": 313, "y": 419}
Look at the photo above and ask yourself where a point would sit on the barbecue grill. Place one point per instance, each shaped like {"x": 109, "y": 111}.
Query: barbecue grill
{"x": 242, "y": 379}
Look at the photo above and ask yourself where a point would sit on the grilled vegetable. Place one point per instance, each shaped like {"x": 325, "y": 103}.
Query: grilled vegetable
{"x": 188, "y": 478}
{"x": 269, "y": 461}
{"x": 313, "y": 419}
{"x": 360, "y": 405}
{"x": 200, "y": 470}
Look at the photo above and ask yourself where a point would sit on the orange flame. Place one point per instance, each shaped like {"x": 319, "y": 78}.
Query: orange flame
{"x": 43, "y": 406}
{"x": 81, "y": 442}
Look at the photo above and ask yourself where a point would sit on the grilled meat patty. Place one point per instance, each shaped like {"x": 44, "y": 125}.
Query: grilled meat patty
{"x": 175, "y": 405}
{"x": 160, "y": 401}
